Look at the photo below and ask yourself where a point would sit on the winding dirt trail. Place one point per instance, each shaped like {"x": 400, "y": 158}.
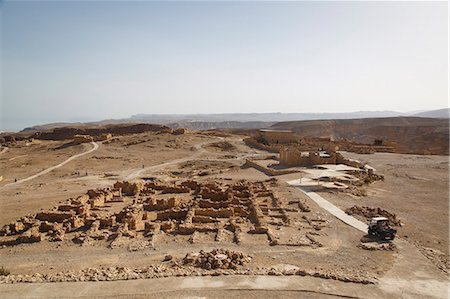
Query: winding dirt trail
{"x": 45, "y": 171}
{"x": 199, "y": 151}
{"x": 198, "y": 147}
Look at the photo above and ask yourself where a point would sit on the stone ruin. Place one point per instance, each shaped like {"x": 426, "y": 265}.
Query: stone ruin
{"x": 140, "y": 211}
{"x": 369, "y": 212}
{"x": 292, "y": 156}
{"x": 217, "y": 259}
{"x": 77, "y": 139}
{"x": 275, "y": 140}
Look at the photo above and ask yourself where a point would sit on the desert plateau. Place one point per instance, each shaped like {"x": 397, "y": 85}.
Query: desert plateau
{"x": 224, "y": 149}
{"x": 150, "y": 202}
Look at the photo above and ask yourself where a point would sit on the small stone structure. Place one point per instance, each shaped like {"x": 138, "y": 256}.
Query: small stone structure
{"x": 179, "y": 131}
{"x": 278, "y": 136}
{"x": 82, "y": 139}
{"x": 103, "y": 137}
{"x": 291, "y": 156}
{"x": 274, "y": 140}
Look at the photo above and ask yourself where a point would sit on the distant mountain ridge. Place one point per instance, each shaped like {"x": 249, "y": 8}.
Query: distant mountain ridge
{"x": 259, "y": 117}
{"x": 440, "y": 113}
{"x": 420, "y": 135}
{"x": 240, "y": 120}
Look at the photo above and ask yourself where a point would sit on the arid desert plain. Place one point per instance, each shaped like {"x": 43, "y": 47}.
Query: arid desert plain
{"x": 209, "y": 213}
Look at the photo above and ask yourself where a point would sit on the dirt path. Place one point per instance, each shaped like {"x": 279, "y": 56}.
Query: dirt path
{"x": 200, "y": 150}
{"x": 3, "y": 150}
{"x": 198, "y": 147}
{"x": 197, "y": 287}
{"x": 328, "y": 206}
{"x": 45, "y": 171}
{"x": 414, "y": 276}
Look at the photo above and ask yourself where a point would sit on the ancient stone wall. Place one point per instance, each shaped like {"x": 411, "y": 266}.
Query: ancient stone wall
{"x": 82, "y": 139}
{"x": 252, "y": 142}
{"x": 266, "y": 170}
{"x": 279, "y": 137}
{"x": 103, "y": 137}
{"x": 129, "y": 189}
{"x": 69, "y": 132}
{"x": 290, "y": 156}
{"x": 227, "y": 210}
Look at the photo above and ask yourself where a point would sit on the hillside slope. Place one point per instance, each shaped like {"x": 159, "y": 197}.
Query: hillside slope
{"x": 411, "y": 134}
{"x": 440, "y": 113}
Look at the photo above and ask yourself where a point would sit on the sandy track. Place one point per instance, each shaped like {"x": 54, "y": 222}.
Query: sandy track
{"x": 198, "y": 147}
{"x": 412, "y": 276}
{"x": 197, "y": 287}
{"x": 45, "y": 171}
{"x": 200, "y": 150}
{"x": 331, "y": 208}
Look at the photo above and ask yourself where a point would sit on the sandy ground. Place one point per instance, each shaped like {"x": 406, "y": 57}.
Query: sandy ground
{"x": 415, "y": 188}
{"x": 200, "y": 287}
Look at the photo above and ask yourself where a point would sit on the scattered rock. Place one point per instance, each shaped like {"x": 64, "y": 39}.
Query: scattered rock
{"x": 378, "y": 246}
{"x": 217, "y": 259}
{"x": 369, "y": 212}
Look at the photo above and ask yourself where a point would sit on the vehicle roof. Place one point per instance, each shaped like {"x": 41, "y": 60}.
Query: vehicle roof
{"x": 379, "y": 218}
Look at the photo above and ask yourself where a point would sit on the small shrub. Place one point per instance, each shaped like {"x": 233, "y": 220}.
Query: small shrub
{"x": 4, "y": 271}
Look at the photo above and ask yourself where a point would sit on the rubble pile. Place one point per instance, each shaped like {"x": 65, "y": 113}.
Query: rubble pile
{"x": 366, "y": 177}
{"x": 173, "y": 269}
{"x": 438, "y": 258}
{"x": 354, "y": 190}
{"x": 389, "y": 246}
{"x": 223, "y": 145}
{"x": 217, "y": 259}
{"x": 369, "y": 212}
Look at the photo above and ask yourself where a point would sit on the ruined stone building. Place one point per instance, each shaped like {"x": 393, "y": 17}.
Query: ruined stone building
{"x": 133, "y": 211}
{"x": 291, "y": 156}
{"x": 82, "y": 139}
{"x": 278, "y": 136}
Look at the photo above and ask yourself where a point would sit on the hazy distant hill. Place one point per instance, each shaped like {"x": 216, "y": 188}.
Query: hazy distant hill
{"x": 412, "y": 134}
{"x": 440, "y": 113}
{"x": 203, "y": 125}
{"x": 257, "y": 117}
{"x": 236, "y": 120}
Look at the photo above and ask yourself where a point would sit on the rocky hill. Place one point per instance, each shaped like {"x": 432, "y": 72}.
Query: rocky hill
{"x": 62, "y": 133}
{"x": 411, "y": 134}
{"x": 440, "y": 113}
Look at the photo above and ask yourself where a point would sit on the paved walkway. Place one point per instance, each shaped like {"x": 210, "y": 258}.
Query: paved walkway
{"x": 331, "y": 208}
{"x": 45, "y": 171}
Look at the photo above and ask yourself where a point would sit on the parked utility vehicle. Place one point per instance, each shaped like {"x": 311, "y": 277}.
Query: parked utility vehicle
{"x": 379, "y": 227}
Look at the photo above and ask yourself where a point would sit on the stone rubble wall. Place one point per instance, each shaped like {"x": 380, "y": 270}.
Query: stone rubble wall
{"x": 213, "y": 207}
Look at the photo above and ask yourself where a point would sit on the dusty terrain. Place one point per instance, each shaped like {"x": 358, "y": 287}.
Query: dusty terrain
{"x": 410, "y": 134}
{"x": 269, "y": 227}
{"x": 415, "y": 189}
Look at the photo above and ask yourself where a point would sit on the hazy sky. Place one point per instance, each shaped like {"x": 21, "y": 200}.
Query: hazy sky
{"x": 95, "y": 60}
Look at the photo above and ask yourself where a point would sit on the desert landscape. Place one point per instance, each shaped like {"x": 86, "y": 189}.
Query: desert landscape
{"x": 224, "y": 149}
{"x": 155, "y": 202}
